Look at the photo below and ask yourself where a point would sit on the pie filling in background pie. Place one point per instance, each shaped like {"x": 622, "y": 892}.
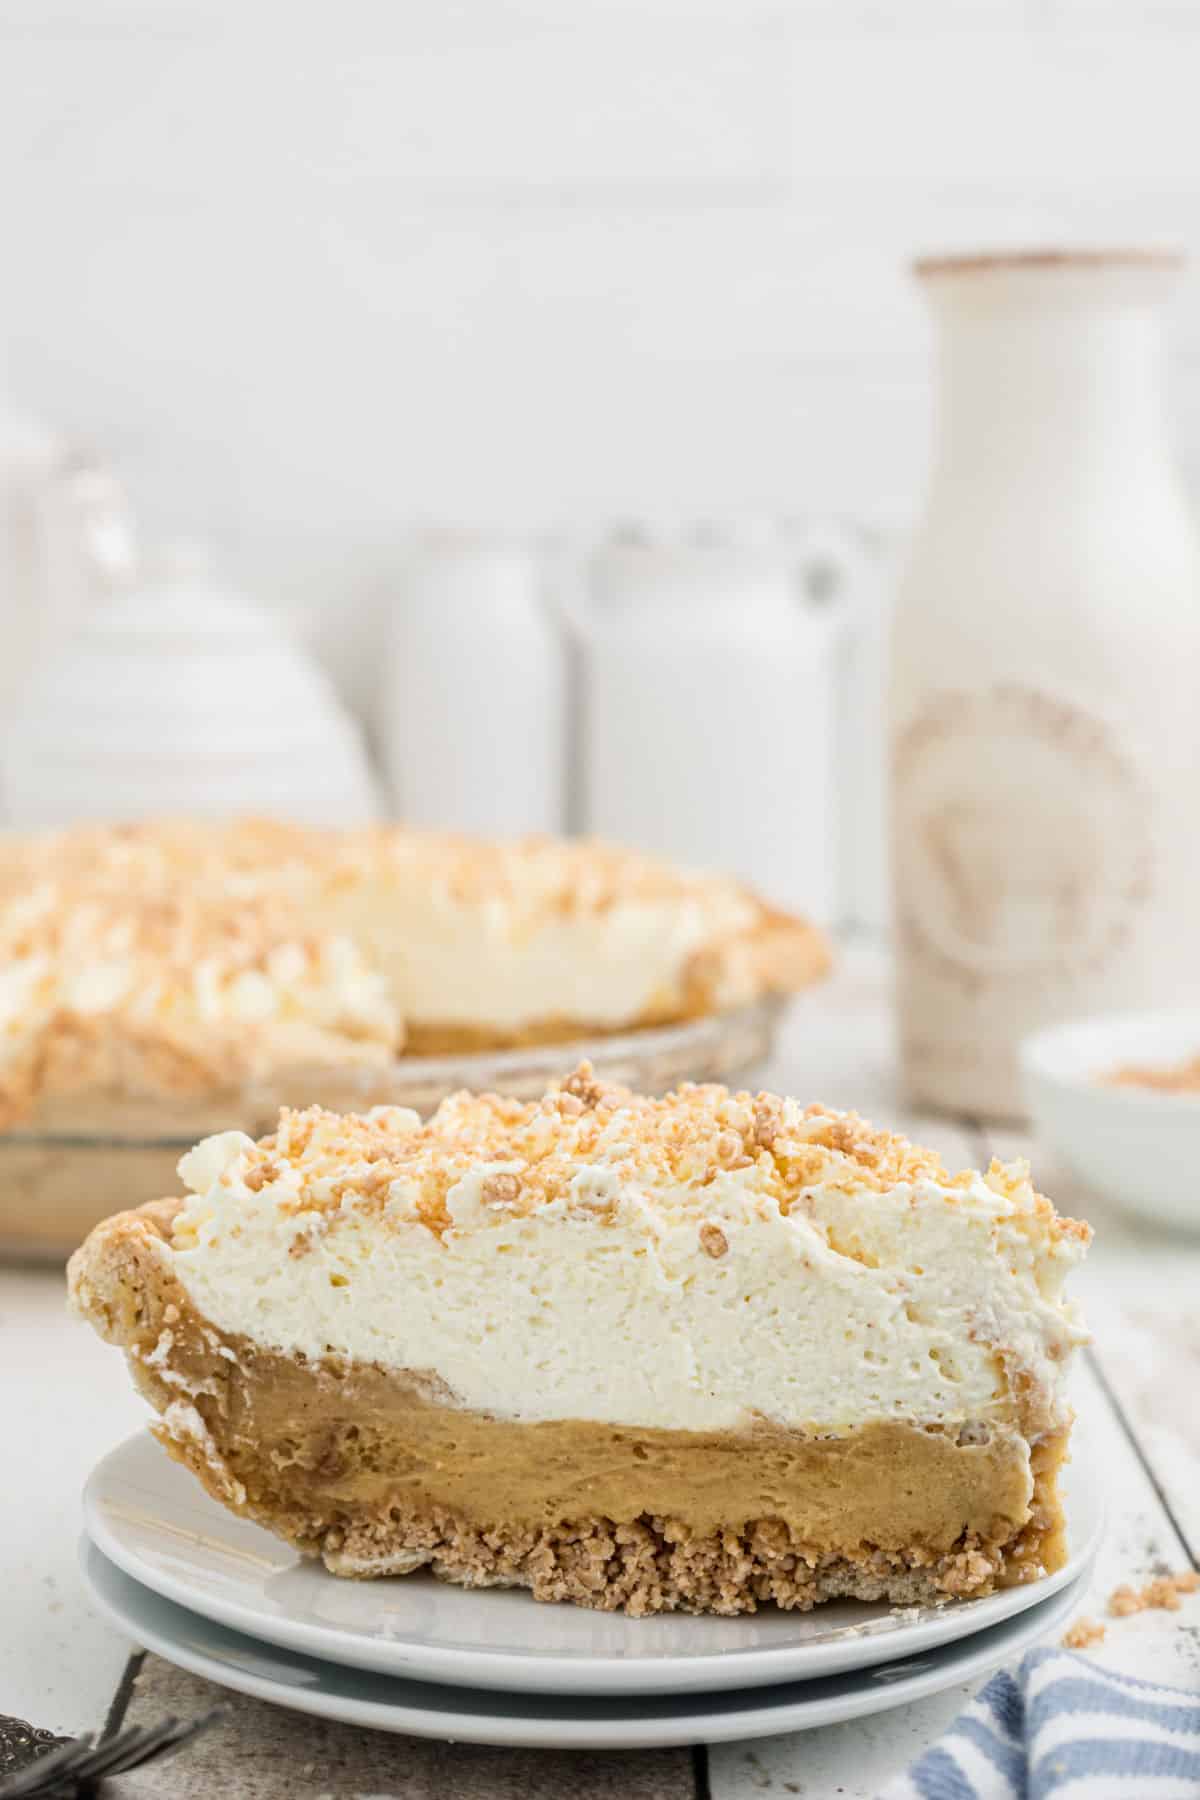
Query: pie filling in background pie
{"x": 701, "y": 1352}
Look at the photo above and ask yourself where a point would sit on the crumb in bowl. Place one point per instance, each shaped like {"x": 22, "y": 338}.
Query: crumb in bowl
{"x": 1162, "y": 1078}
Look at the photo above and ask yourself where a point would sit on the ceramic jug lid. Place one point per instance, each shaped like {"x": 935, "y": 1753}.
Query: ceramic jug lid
{"x": 182, "y": 686}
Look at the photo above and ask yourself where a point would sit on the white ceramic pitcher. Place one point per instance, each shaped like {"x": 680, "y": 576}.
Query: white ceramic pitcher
{"x": 709, "y": 676}
{"x": 66, "y": 540}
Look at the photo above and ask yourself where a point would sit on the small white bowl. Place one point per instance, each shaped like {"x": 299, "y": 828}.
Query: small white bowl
{"x": 1137, "y": 1146}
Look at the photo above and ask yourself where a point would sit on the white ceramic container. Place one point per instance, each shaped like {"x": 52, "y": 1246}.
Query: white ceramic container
{"x": 471, "y": 718}
{"x": 66, "y": 542}
{"x": 1045, "y": 733}
{"x": 182, "y": 697}
{"x": 709, "y": 676}
{"x": 1138, "y": 1147}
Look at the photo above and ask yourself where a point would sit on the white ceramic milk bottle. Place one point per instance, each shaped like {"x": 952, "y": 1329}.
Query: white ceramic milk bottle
{"x": 1045, "y": 700}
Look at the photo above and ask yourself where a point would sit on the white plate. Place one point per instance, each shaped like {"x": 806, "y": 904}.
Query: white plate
{"x": 559, "y": 1721}
{"x": 1137, "y": 1146}
{"x": 152, "y": 1518}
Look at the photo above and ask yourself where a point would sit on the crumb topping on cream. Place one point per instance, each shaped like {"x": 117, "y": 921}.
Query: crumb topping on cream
{"x": 579, "y": 1146}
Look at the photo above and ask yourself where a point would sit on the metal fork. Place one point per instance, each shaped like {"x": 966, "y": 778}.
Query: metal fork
{"x": 74, "y": 1768}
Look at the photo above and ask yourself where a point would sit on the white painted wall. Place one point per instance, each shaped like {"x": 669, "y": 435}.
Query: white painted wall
{"x": 311, "y": 271}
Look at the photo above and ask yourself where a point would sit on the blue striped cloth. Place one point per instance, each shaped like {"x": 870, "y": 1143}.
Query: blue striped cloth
{"x": 1062, "y": 1728}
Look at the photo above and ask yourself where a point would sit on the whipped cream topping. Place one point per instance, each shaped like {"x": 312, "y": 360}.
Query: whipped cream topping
{"x": 695, "y": 1263}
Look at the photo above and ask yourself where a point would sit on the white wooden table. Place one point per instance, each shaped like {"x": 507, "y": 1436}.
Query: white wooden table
{"x": 64, "y": 1400}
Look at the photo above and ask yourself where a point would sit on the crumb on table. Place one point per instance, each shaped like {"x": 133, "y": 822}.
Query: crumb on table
{"x": 1083, "y": 1634}
{"x": 1162, "y": 1594}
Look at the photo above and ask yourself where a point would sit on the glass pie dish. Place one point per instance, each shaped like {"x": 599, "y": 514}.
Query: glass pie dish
{"x": 100, "y": 1155}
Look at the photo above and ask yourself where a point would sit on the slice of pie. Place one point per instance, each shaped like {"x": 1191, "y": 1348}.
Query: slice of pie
{"x": 179, "y": 964}
{"x": 700, "y": 1352}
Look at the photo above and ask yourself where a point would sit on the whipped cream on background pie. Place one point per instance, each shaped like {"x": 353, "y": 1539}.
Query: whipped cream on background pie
{"x": 178, "y": 959}
{"x": 700, "y": 1352}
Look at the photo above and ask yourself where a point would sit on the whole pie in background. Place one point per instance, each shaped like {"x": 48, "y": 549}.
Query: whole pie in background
{"x": 177, "y": 958}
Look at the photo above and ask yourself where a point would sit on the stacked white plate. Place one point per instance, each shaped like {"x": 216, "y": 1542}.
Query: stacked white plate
{"x": 226, "y": 1600}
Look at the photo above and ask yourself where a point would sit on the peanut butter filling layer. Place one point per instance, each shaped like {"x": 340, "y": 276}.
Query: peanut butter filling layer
{"x": 379, "y": 1472}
